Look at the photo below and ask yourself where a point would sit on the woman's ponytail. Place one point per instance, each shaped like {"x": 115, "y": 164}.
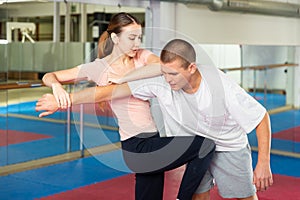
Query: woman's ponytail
{"x": 105, "y": 45}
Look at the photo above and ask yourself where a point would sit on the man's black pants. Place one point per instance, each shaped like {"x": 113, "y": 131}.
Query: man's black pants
{"x": 149, "y": 156}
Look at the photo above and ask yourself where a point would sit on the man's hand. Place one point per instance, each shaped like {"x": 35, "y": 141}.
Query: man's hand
{"x": 262, "y": 176}
{"x": 48, "y": 104}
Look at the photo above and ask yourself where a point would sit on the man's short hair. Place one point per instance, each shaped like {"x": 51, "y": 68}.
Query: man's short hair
{"x": 178, "y": 49}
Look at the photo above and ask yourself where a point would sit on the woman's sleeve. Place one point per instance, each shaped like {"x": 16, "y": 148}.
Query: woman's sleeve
{"x": 143, "y": 56}
{"x": 93, "y": 70}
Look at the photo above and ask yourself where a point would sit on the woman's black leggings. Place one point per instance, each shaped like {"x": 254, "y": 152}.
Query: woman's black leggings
{"x": 149, "y": 156}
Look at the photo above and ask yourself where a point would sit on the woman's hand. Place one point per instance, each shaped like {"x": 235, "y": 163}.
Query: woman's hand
{"x": 61, "y": 96}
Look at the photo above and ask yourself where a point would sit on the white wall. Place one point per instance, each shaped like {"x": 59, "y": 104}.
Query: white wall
{"x": 221, "y": 56}
{"x": 206, "y": 26}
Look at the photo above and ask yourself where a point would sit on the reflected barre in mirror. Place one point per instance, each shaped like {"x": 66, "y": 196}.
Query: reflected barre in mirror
{"x": 260, "y": 67}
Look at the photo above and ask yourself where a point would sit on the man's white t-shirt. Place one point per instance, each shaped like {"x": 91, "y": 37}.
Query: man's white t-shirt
{"x": 189, "y": 114}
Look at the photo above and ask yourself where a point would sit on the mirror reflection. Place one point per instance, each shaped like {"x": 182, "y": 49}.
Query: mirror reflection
{"x": 34, "y": 43}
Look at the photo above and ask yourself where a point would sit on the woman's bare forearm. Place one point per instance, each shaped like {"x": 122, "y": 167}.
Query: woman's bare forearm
{"x": 49, "y": 79}
{"x": 100, "y": 93}
{"x": 147, "y": 71}
{"x": 58, "y": 77}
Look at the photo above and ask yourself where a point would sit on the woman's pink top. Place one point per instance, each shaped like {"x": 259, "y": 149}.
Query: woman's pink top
{"x": 133, "y": 114}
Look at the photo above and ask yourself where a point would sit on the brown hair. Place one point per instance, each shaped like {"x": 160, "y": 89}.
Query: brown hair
{"x": 117, "y": 22}
{"x": 178, "y": 49}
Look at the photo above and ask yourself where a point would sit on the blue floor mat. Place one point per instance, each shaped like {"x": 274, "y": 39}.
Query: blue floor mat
{"x": 279, "y": 122}
{"x": 57, "y": 178}
{"x": 55, "y": 145}
{"x": 62, "y": 177}
{"x": 270, "y": 101}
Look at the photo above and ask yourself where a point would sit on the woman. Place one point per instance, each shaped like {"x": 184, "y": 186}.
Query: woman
{"x": 145, "y": 153}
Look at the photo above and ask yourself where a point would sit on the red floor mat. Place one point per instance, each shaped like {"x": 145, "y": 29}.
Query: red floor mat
{"x": 292, "y": 134}
{"x": 122, "y": 188}
{"x": 284, "y": 188}
{"x": 14, "y": 137}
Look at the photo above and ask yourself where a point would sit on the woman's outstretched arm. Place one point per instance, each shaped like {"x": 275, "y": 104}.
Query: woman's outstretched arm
{"x": 151, "y": 69}
{"x": 148, "y": 71}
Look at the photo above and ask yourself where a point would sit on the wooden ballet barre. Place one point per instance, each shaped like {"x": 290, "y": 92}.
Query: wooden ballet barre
{"x": 260, "y": 67}
{"x": 19, "y": 85}
{"x": 25, "y": 84}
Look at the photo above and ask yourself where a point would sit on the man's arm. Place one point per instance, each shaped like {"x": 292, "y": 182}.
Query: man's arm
{"x": 49, "y": 105}
{"x": 262, "y": 173}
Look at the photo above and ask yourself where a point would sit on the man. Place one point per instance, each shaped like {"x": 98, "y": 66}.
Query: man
{"x": 206, "y": 102}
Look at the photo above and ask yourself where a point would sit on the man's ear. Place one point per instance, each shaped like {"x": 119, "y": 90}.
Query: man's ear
{"x": 114, "y": 38}
{"x": 192, "y": 68}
